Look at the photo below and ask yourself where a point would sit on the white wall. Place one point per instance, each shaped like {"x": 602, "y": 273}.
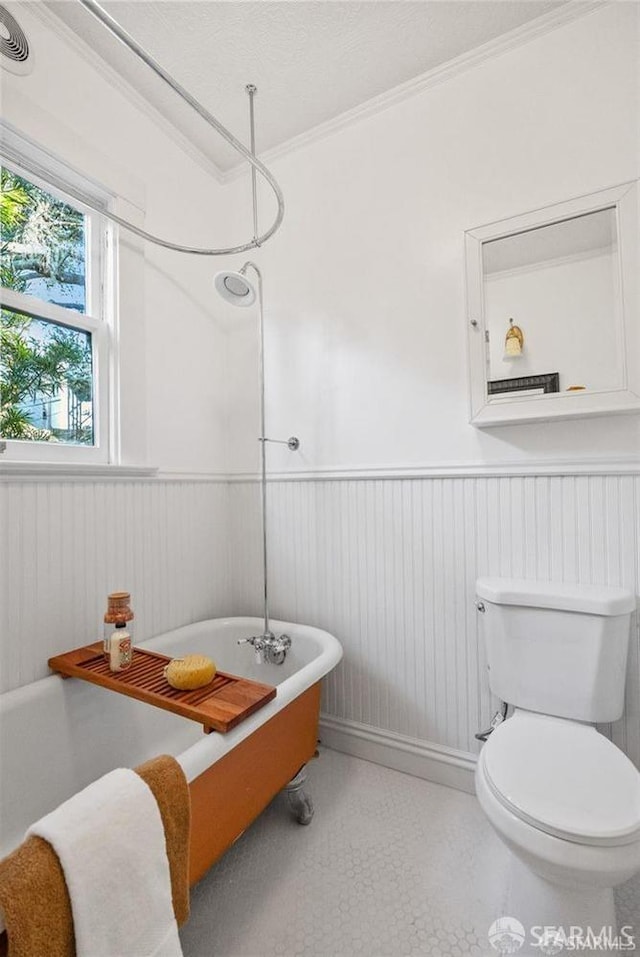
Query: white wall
{"x": 173, "y": 345}
{"x": 364, "y": 283}
{"x": 366, "y": 331}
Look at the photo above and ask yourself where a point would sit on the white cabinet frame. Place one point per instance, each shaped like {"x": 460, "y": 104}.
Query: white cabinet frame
{"x": 486, "y": 412}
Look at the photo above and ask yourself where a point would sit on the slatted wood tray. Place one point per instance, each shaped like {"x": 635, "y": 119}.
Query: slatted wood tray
{"x": 218, "y": 706}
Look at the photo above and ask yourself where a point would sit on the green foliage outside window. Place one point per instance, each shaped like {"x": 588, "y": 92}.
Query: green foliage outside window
{"x": 42, "y": 246}
{"x": 38, "y": 360}
{"x": 42, "y": 363}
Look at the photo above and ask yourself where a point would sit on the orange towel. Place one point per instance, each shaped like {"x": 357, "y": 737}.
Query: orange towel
{"x": 33, "y": 892}
{"x": 166, "y": 779}
{"x": 35, "y": 903}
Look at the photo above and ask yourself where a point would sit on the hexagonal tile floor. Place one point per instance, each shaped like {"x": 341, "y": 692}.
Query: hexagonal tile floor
{"x": 391, "y": 866}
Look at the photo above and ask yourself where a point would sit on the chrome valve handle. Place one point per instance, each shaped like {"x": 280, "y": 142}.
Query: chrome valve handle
{"x": 268, "y": 648}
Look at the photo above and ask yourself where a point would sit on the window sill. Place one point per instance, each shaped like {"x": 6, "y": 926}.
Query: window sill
{"x": 72, "y": 471}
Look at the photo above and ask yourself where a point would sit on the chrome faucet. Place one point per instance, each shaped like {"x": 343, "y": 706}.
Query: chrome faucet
{"x": 269, "y": 649}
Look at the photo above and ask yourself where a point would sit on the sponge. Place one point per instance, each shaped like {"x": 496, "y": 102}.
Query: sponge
{"x": 192, "y": 671}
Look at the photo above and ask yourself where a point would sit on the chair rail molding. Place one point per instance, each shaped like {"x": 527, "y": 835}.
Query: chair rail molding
{"x": 623, "y": 465}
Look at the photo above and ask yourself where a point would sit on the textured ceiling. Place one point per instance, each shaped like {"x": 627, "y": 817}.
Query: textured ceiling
{"x": 311, "y": 59}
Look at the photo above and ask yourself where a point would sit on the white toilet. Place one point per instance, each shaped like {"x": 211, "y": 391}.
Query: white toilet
{"x": 564, "y": 799}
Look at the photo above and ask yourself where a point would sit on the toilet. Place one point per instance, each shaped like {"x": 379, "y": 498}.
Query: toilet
{"x": 562, "y": 797}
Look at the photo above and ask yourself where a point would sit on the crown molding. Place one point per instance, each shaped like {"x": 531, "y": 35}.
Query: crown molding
{"x": 567, "y": 13}
{"x": 49, "y": 19}
{"x": 547, "y": 23}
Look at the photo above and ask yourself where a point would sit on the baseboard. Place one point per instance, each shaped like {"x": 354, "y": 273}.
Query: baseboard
{"x": 422, "y": 759}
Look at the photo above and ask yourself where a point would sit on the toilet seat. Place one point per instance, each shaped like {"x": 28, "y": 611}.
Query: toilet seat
{"x": 564, "y": 778}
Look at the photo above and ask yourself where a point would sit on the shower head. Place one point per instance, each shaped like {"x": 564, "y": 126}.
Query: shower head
{"x": 235, "y": 287}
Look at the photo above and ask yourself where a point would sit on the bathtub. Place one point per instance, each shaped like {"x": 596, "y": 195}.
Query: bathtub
{"x": 56, "y": 736}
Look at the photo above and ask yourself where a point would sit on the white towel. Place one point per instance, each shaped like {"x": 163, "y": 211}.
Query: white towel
{"x": 111, "y": 845}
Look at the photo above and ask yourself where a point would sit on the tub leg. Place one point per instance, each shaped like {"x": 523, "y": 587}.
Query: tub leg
{"x": 300, "y": 802}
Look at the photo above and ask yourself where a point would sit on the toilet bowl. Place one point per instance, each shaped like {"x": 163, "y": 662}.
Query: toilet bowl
{"x": 562, "y": 797}
{"x": 566, "y": 801}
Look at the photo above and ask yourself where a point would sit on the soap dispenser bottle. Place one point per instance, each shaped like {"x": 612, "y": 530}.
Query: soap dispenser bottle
{"x": 120, "y": 652}
{"x": 118, "y": 610}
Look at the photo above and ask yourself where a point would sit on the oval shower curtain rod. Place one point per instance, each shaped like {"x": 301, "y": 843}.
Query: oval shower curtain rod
{"x": 114, "y": 27}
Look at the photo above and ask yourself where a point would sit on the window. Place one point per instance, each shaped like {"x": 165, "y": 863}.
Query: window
{"x": 54, "y": 346}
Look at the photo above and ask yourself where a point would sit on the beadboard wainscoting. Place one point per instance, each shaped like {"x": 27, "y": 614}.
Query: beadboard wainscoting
{"x": 389, "y": 566}
{"x": 65, "y": 545}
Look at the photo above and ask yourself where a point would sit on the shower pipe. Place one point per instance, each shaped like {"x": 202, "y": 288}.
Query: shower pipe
{"x": 263, "y": 445}
{"x": 235, "y": 288}
{"x": 256, "y": 166}
{"x": 265, "y": 644}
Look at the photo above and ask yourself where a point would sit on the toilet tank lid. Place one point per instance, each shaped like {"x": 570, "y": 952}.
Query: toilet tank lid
{"x": 591, "y": 599}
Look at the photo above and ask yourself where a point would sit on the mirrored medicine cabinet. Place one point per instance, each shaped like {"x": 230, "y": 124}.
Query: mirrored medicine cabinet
{"x": 552, "y": 311}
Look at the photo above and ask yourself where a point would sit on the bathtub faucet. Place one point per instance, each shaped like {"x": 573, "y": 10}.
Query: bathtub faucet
{"x": 269, "y": 649}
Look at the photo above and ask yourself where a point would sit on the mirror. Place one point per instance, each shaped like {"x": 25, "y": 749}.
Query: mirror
{"x": 550, "y": 311}
{"x": 551, "y": 297}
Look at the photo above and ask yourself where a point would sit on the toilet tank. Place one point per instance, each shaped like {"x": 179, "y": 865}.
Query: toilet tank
{"x": 554, "y": 648}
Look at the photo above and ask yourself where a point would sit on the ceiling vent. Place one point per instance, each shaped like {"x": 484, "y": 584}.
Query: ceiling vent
{"x": 15, "y": 51}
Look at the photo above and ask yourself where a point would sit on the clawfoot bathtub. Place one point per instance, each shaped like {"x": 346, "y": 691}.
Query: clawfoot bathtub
{"x": 57, "y": 736}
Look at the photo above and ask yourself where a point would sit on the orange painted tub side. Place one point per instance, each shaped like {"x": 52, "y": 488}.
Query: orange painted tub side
{"x": 229, "y": 795}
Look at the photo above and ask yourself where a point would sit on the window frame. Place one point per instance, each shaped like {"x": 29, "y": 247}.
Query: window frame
{"x": 98, "y": 319}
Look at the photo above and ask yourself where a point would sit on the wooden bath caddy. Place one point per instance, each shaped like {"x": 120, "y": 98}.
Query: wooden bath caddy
{"x": 218, "y": 706}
